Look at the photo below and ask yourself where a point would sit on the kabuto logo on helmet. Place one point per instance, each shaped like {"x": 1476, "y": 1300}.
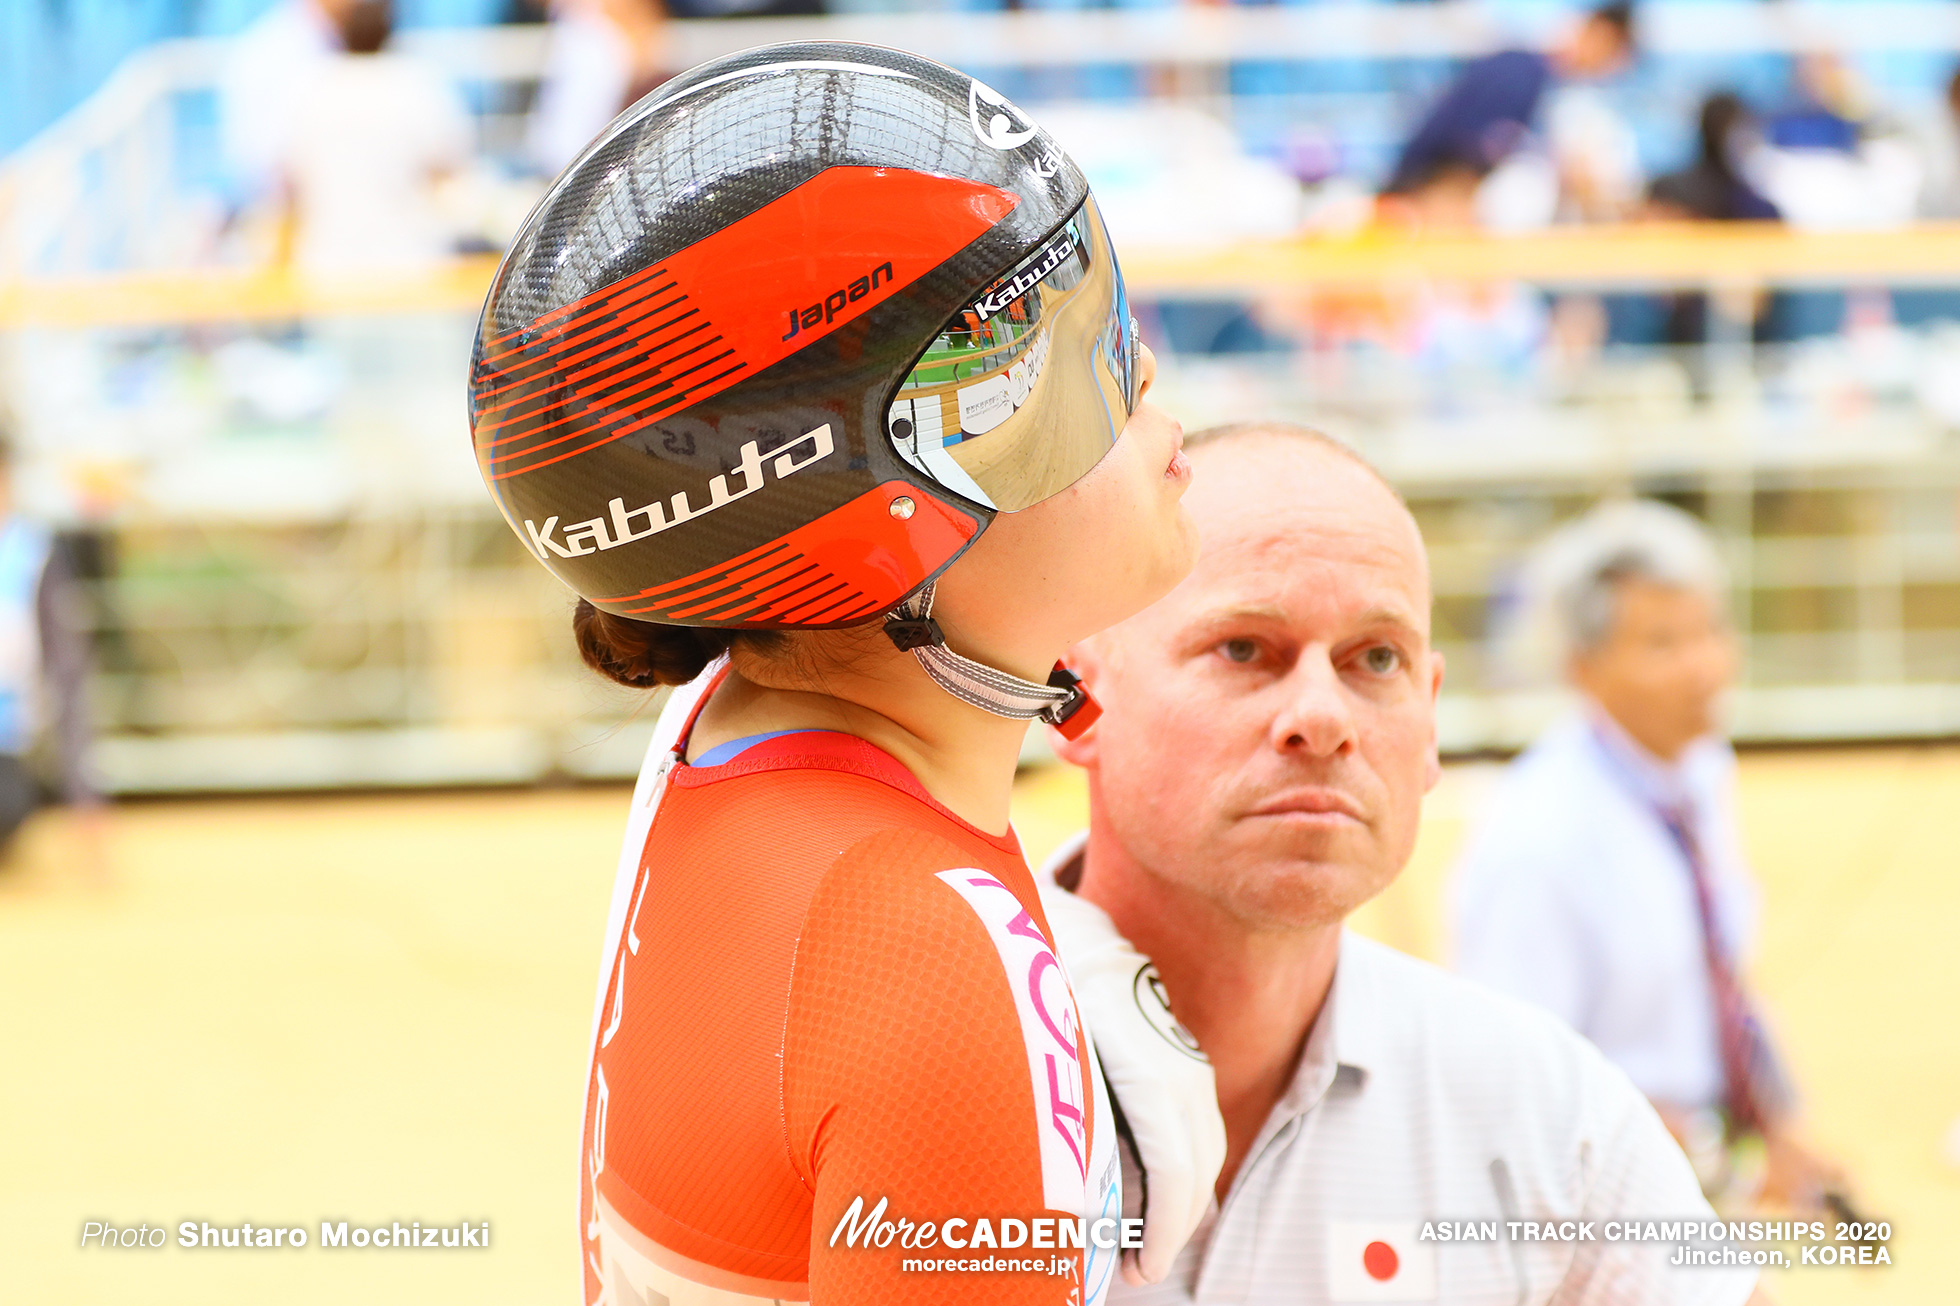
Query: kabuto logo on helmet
{"x": 1000, "y": 124}
{"x": 1012, "y": 288}
{"x": 593, "y": 536}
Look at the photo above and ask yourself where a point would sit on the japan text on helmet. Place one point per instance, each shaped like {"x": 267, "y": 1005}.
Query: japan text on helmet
{"x": 778, "y": 345}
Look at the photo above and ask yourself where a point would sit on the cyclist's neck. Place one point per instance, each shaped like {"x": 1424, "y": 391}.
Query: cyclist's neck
{"x": 964, "y": 757}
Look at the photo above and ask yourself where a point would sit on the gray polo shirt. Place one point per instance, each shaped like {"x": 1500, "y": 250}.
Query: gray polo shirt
{"x": 1422, "y": 1098}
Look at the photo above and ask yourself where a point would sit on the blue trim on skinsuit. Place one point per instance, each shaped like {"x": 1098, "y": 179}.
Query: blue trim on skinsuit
{"x": 721, "y": 754}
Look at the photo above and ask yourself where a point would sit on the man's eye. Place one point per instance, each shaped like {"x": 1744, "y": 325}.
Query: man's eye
{"x": 1382, "y": 660}
{"x": 1239, "y": 650}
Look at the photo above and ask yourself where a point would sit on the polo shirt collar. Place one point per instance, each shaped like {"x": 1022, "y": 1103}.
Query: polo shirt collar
{"x": 1346, "y": 1036}
{"x": 1067, "y": 857}
{"x": 1662, "y": 783}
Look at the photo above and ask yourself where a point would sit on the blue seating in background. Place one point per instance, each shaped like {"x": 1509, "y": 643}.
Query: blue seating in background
{"x": 54, "y": 53}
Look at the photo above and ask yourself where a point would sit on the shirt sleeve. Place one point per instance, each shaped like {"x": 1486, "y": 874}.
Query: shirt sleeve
{"x": 1640, "y": 1175}
{"x": 65, "y": 666}
{"x": 908, "y": 1095}
{"x": 1518, "y": 932}
{"x": 1469, "y": 122}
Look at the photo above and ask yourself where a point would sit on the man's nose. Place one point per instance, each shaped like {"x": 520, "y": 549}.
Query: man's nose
{"x": 1715, "y": 664}
{"x": 1316, "y": 720}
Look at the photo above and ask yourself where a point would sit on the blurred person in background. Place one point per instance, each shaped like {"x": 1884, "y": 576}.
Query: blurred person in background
{"x": 1459, "y": 331}
{"x": 602, "y": 55}
{"x": 1715, "y": 188}
{"x": 1607, "y": 883}
{"x": 1937, "y": 136}
{"x": 746, "y": 8}
{"x": 1492, "y": 108}
{"x": 263, "y": 71}
{"x": 1833, "y": 157}
{"x": 44, "y": 664}
{"x": 1825, "y": 110}
{"x": 1268, "y": 735}
{"x": 374, "y": 135}
{"x": 1443, "y": 197}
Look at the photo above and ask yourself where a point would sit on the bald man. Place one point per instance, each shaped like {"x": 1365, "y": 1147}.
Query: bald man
{"x": 1392, "y": 1133}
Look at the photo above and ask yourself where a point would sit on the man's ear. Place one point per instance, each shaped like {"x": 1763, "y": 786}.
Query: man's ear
{"x": 1080, "y": 751}
{"x": 1433, "y": 766}
{"x": 1579, "y": 670}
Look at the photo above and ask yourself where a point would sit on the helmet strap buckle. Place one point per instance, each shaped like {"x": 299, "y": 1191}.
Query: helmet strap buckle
{"x": 1074, "y": 715}
{"x": 1062, "y": 702}
{"x": 908, "y": 633}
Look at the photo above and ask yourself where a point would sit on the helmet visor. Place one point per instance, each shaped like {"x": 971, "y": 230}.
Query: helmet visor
{"x": 1029, "y": 385}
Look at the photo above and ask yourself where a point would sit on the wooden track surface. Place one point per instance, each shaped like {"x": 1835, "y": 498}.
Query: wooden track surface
{"x": 377, "y": 1008}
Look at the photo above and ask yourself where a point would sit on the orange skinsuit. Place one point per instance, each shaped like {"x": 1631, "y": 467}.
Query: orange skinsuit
{"x": 829, "y": 987}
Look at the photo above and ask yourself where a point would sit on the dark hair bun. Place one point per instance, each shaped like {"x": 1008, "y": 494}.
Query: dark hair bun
{"x": 641, "y": 654}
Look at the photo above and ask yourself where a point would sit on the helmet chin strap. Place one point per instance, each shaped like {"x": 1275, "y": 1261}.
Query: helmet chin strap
{"x": 1062, "y": 702}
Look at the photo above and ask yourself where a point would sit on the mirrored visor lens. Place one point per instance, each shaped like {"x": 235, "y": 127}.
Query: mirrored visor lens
{"x": 1028, "y": 386}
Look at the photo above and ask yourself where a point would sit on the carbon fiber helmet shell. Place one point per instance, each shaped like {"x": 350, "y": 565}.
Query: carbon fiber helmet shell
{"x": 680, "y": 383}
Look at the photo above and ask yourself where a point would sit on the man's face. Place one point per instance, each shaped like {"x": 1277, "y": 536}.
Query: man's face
{"x": 1663, "y": 665}
{"x": 1269, "y": 726}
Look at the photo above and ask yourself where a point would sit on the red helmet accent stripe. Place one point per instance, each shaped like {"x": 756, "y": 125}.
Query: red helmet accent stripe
{"x": 593, "y": 342}
{"x": 854, "y": 561}
{"x": 629, "y": 293}
{"x": 755, "y": 292}
{"x": 644, "y": 389}
{"x": 611, "y": 366}
{"x": 622, "y": 371}
{"x": 554, "y": 323}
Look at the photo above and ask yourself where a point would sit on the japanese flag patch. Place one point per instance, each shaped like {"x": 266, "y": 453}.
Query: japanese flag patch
{"x": 1379, "y": 1261}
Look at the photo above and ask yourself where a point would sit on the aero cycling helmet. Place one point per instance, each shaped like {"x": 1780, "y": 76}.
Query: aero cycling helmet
{"x": 776, "y": 348}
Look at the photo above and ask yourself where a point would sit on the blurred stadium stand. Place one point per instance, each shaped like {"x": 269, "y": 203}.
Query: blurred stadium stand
{"x": 53, "y": 53}
{"x": 301, "y": 584}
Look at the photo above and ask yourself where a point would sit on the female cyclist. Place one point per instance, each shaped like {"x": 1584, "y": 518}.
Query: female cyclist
{"x": 816, "y": 372}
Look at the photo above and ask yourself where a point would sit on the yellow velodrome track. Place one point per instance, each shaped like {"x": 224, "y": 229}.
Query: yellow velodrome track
{"x": 376, "y": 1008}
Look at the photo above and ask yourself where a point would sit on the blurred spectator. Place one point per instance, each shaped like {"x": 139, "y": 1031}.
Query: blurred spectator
{"x": 373, "y": 135}
{"x": 1608, "y": 883}
{"x": 43, "y": 672}
{"x": 258, "y": 85}
{"x": 1594, "y": 155}
{"x": 1824, "y": 113}
{"x": 1829, "y": 160}
{"x": 1713, "y": 187}
{"x": 1938, "y": 141}
{"x": 603, "y": 55}
{"x": 1454, "y": 330}
{"x": 1443, "y": 198}
{"x": 1491, "y": 109}
{"x": 748, "y": 8}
